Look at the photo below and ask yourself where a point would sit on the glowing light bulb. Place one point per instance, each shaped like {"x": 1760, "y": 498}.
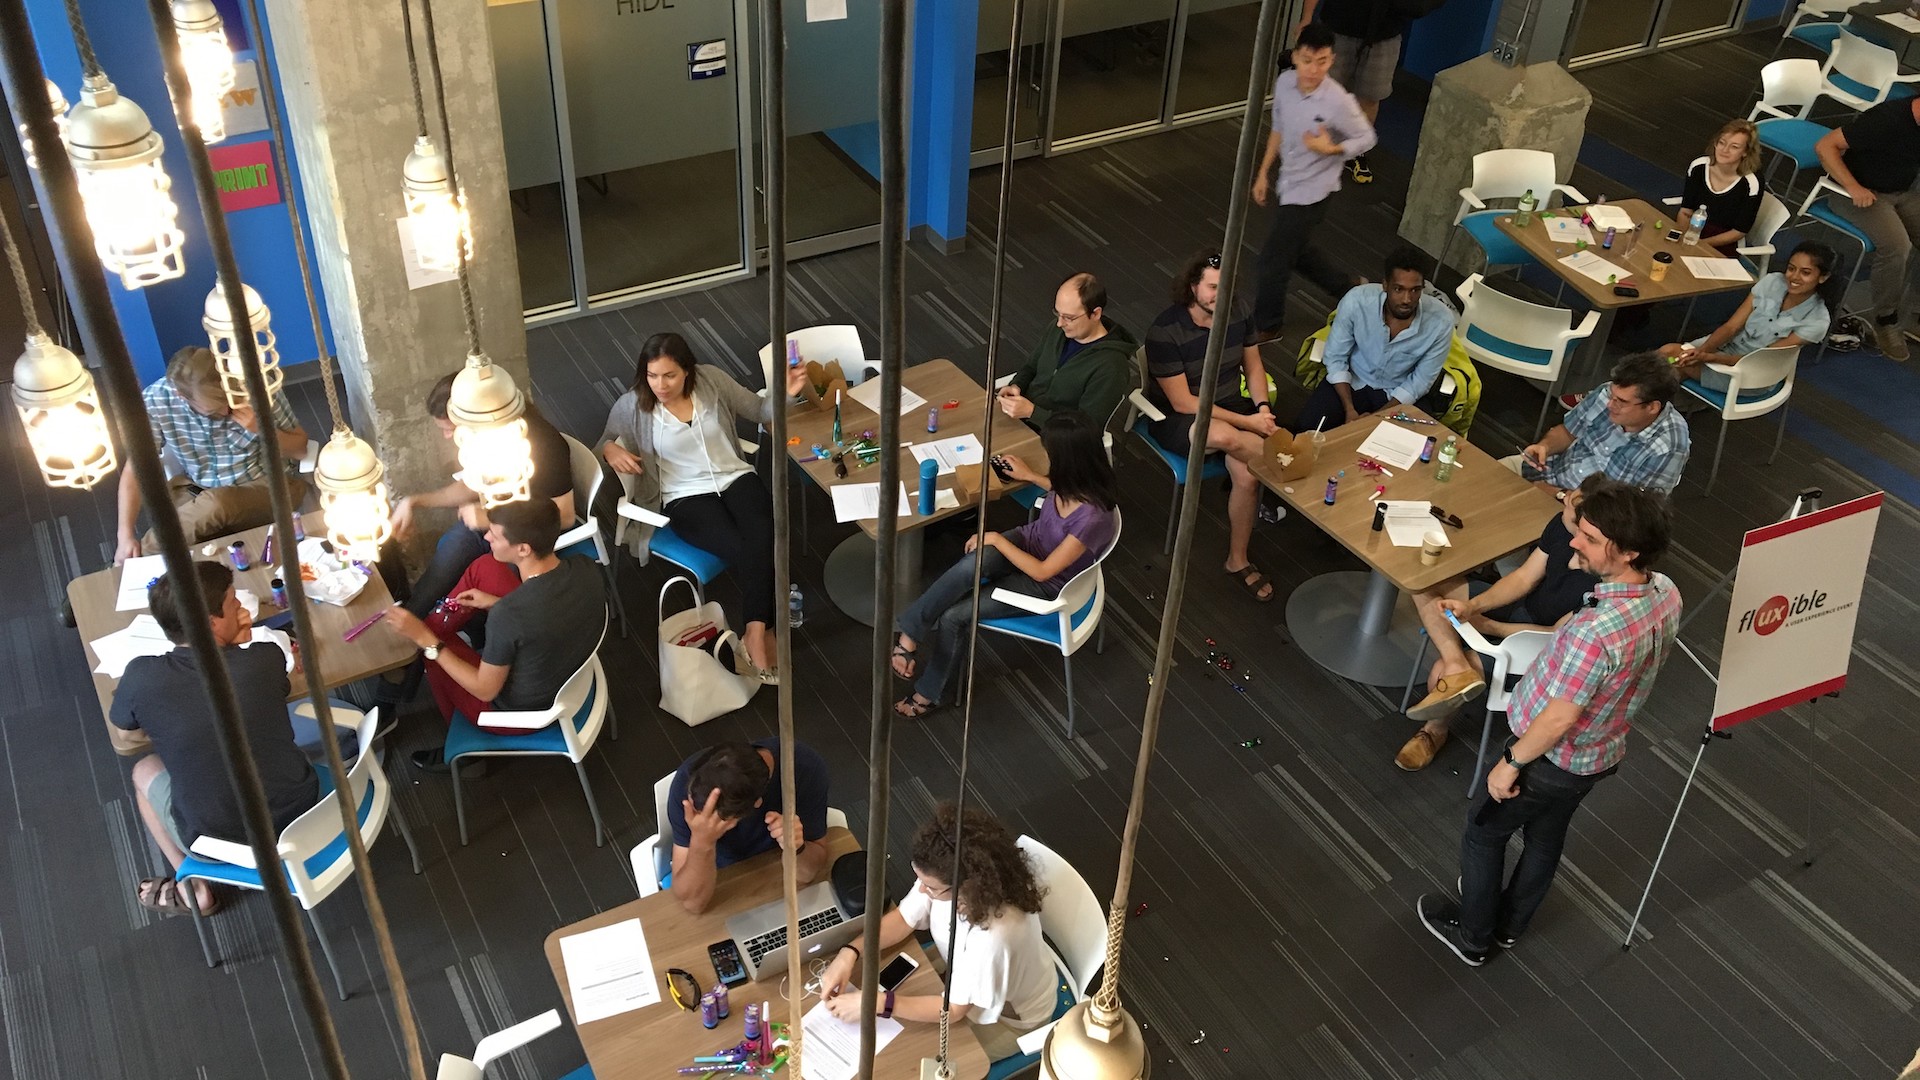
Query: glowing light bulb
{"x": 495, "y": 458}
{"x": 353, "y": 496}
{"x": 223, "y": 339}
{"x": 116, "y": 154}
{"x": 436, "y": 212}
{"x": 58, "y": 103}
{"x": 60, "y": 410}
{"x": 209, "y": 62}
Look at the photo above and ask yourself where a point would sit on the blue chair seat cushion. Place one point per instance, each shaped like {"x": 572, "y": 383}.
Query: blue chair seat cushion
{"x": 1214, "y": 469}
{"x": 463, "y": 737}
{"x": 1501, "y": 249}
{"x": 1522, "y": 354}
{"x": 246, "y": 877}
{"x": 1008, "y": 1066}
{"x": 1862, "y": 90}
{"x": 1026, "y": 498}
{"x": 1718, "y": 398}
{"x": 583, "y": 548}
{"x": 1794, "y": 138}
{"x": 669, "y": 545}
{"x": 1820, "y": 35}
{"x": 1042, "y": 628}
{"x": 1823, "y": 211}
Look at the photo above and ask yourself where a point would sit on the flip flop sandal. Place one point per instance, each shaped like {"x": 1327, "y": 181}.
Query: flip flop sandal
{"x": 901, "y": 652}
{"x": 162, "y": 895}
{"x": 909, "y": 708}
{"x": 1252, "y": 580}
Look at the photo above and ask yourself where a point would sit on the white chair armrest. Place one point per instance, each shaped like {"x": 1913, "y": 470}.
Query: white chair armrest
{"x": 1025, "y": 603}
{"x": 1724, "y": 369}
{"x": 1473, "y": 638}
{"x": 1671, "y": 200}
{"x": 1467, "y": 196}
{"x": 523, "y": 721}
{"x": 582, "y": 531}
{"x": 1523, "y": 648}
{"x": 226, "y": 851}
{"x": 1003, "y": 380}
{"x": 1033, "y": 1041}
{"x": 633, "y": 511}
{"x": 1138, "y": 398}
{"x": 1757, "y": 249}
{"x": 646, "y": 868}
{"x": 1584, "y": 329}
{"x": 501, "y": 1043}
{"x": 1572, "y": 193}
{"x": 748, "y": 446}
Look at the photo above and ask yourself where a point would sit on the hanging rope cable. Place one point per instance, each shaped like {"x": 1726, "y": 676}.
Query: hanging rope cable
{"x": 995, "y": 308}
{"x": 893, "y": 351}
{"x": 29, "y": 306}
{"x": 413, "y": 68}
{"x": 773, "y": 127}
{"x": 26, "y": 87}
{"x": 89, "y": 63}
{"x": 453, "y": 171}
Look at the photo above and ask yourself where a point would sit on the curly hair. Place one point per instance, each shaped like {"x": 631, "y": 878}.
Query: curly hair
{"x": 995, "y": 872}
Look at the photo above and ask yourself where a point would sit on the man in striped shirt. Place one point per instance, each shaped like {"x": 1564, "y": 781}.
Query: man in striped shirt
{"x": 1569, "y": 716}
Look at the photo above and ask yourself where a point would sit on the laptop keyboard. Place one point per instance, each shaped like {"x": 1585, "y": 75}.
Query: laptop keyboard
{"x": 759, "y": 947}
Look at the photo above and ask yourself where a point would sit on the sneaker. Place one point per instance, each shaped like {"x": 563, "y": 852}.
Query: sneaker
{"x": 1448, "y": 696}
{"x": 1361, "y": 173}
{"x": 1505, "y": 940}
{"x": 435, "y": 761}
{"x": 1419, "y": 751}
{"x": 1442, "y": 920}
{"x": 1893, "y": 343}
{"x": 1272, "y": 514}
{"x": 1568, "y": 401}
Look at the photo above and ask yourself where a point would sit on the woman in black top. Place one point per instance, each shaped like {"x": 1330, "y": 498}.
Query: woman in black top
{"x": 1724, "y": 181}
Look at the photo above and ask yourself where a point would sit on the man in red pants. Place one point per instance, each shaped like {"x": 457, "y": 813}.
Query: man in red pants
{"x": 541, "y": 610}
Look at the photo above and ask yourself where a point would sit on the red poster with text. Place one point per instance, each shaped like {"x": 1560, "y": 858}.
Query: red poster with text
{"x": 244, "y": 173}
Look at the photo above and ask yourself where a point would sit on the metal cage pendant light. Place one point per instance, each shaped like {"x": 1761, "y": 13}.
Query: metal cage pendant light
{"x": 209, "y": 63}
{"x": 126, "y": 190}
{"x": 222, "y": 336}
{"x": 436, "y": 211}
{"x": 57, "y": 102}
{"x": 491, "y": 432}
{"x": 353, "y": 495}
{"x": 60, "y": 409}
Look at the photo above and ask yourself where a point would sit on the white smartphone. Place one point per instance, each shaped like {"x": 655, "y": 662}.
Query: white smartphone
{"x": 897, "y": 972}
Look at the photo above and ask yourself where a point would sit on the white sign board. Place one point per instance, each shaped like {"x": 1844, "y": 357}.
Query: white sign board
{"x": 1790, "y": 620}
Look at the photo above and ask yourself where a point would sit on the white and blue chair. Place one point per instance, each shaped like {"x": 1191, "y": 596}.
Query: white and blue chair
{"x": 586, "y": 537}
{"x": 499, "y": 1045}
{"x": 1142, "y": 414}
{"x": 700, "y": 565}
{"x": 1755, "y": 248}
{"x": 1860, "y": 74}
{"x": 1503, "y": 174}
{"x": 652, "y": 858}
{"x": 1520, "y": 338}
{"x": 1514, "y": 654}
{"x": 1066, "y": 622}
{"x": 568, "y": 728}
{"x": 1815, "y": 24}
{"x": 1760, "y": 383}
{"x": 1821, "y": 208}
{"x": 1783, "y": 115}
{"x": 313, "y": 847}
{"x": 1075, "y": 927}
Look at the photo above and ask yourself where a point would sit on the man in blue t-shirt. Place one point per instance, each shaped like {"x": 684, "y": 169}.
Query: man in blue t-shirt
{"x": 711, "y": 808}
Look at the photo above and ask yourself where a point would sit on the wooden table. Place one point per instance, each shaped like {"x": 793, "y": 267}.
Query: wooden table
{"x": 93, "y": 597}
{"x": 653, "y": 1041}
{"x": 1864, "y": 20}
{"x": 849, "y": 569}
{"x": 1361, "y": 624}
{"x": 1633, "y": 252}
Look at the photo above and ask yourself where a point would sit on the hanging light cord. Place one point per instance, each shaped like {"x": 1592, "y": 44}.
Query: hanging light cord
{"x": 88, "y": 62}
{"x": 453, "y": 173}
{"x": 270, "y": 100}
{"x": 413, "y": 67}
{"x": 19, "y": 271}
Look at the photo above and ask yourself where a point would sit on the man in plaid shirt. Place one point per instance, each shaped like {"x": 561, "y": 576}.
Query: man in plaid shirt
{"x": 1627, "y": 429}
{"x": 222, "y": 486}
{"x": 1569, "y": 716}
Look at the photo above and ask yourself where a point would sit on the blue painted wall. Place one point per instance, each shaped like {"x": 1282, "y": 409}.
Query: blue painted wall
{"x": 160, "y": 319}
{"x": 1455, "y": 34}
{"x": 941, "y": 118}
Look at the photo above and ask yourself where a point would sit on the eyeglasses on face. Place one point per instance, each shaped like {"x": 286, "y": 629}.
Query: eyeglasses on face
{"x": 1625, "y": 402}
{"x": 1068, "y": 320}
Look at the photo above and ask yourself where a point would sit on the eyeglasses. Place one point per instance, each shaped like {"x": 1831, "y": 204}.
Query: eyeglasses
{"x": 1068, "y": 320}
{"x": 1445, "y": 518}
{"x": 688, "y": 1002}
{"x": 1625, "y": 402}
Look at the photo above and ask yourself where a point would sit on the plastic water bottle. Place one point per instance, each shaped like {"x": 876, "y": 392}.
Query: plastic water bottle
{"x": 1449, "y": 454}
{"x": 1695, "y": 224}
{"x": 1523, "y": 217}
{"x": 796, "y": 606}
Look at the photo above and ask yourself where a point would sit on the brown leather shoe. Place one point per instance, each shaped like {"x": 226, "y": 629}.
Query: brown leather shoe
{"x": 1449, "y": 694}
{"x": 1418, "y": 753}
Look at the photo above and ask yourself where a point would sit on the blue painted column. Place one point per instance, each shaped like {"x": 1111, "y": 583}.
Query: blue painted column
{"x": 942, "y": 120}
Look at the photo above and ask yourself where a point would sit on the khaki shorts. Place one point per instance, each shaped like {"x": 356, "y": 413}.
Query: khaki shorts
{"x": 160, "y": 797}
{"x": 1368, "y": 77}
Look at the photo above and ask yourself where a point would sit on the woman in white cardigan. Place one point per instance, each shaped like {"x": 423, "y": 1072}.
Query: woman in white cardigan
{"x": 674, "y": 432}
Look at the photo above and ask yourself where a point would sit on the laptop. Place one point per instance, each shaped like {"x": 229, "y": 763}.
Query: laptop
{"x": 761, "y": 933}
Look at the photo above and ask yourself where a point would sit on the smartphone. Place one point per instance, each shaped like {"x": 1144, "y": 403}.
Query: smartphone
{"x": 897, "y": 972}
{"x": 727, "y": 967}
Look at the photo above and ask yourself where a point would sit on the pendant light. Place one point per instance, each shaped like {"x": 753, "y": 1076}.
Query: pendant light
{"x": 221, "y": 335}
{"x": 209, "y": 63}
{"x": 436, "y": 209}
{"x": 130, "y": 208}
{"x": 59, "y": 407}
{"x": 353, "y": 495}
{"x": 56, "y": 101}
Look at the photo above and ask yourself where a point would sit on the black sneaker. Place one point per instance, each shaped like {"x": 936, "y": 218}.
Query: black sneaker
{"x": 1442, "y": 920}
{"x": 431, "y": 761}
{"x": 1505, "y": 940}
{"x": 1361, "y": 173}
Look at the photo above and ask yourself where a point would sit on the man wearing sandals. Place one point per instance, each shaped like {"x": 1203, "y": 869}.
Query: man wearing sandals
{"x": 182, "y": 787}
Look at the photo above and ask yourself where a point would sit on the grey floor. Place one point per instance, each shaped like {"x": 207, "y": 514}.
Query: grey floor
{"x": 1279, "y": 879}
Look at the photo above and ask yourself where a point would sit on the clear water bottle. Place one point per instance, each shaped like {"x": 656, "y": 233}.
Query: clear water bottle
{"x": 796, "y": 606}
{"x": 1523, "y": 217}
{"x": 1449, "y": 454}
{"x": 1695, "y": 224}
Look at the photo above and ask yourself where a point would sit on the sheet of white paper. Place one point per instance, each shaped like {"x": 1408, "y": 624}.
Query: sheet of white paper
{"x": 264, "y": 634}
{"x": 1593, "y": 266}
{"x": 609, "y": 971}
{"x": 826, "y": 10}
{"x": 1391, "y": 444}
{"x": 959, "y": 450}
{"x": 1409, "y": 521}
{"x": 1563, "y": 230}
{"x": 946, "y": 499}
{"x": 1609, "y": 217}
{"x": 409, "y": 257}
{"x": 1712, "y": 269}
{"x": 858, "y": 502}
{"x": 143, "y": 637}
{"x": 1902, "y": 20}
{"x": 833, "y": 1045}
{"x": 868, "y": 394}
{"x": 135, "y": 575}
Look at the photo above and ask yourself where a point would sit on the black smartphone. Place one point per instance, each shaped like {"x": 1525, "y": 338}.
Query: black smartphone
{"x": 897, "y": 972}
{"x": 1001, "y": 469}
{"x": 1625, "y": 290}
{"x": 726, "y": 963}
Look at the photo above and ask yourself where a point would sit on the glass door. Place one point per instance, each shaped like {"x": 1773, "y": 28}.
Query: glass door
{"x": 1687, "y": 18}
{"x": 1110, "y": 67}
{"x": 1216, "y": 47}
{"x": 1616, "y": 29}
{"x": 531, "y": 134}
{"x": 993, "y": 37}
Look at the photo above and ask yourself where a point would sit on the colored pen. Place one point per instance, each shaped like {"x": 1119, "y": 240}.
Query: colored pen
{"x": 362, "y": 628}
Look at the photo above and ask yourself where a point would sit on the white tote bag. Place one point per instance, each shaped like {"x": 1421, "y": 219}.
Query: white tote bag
{"x": 696, "y": 684}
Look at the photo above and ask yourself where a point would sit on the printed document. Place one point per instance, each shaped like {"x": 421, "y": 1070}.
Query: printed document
{"x": 142, "y": 638}
{"x": 1595, "y": 267}
{"x": 857, "y": 502}
{"x": 609, "y": 971}
{"x": 868, "y": 394}
{"x": 959, "y": 450}
{"x": 1563, "y": 230}
{"x": 1708, "y": 268}
{"x": 1391, "y": 444}
{"x": 833, "y": 1045}
{"x": 1409, "y": 521}
{"x": 135, "y": 575}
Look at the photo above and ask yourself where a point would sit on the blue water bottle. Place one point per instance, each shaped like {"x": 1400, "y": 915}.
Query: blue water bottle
{"x": 928, "y": 470}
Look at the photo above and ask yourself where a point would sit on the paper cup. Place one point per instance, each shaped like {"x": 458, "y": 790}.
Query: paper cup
{"x": 1662, "y": 262}
{"x": 1431, "y": 545}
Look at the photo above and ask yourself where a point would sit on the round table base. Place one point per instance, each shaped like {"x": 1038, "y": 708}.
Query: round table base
{"x": 849, "y": 574}
{"x": 1357, "y": 625}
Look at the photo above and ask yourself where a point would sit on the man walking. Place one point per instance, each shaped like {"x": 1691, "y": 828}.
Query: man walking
{"x": 1317, "y": 125}
{"x": 1366, "y": 50}
{"x": 1569, "y": 716}
{"x": 1876, "y": 158}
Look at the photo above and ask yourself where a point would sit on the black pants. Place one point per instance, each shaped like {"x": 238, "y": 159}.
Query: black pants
{"x": 1323, "y": 406}
{"x": 1542, "y": 811}
{"x": 737, "y": 525}
{"x": 1289, "y": 246}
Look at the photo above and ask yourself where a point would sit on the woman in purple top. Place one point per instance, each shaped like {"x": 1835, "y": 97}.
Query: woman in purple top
{"x": 1073, "y": 527}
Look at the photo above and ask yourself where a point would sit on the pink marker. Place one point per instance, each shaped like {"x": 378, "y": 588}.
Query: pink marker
{"x": 362, "y": 628}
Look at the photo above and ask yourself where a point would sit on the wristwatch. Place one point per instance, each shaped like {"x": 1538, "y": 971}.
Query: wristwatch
{"x": 1507, "y": 756}
{"x": 431, "y": 652}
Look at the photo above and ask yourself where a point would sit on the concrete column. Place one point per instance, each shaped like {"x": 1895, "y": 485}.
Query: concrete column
{"x": 1481, "y": 105}
{"x": 344, "y": 75}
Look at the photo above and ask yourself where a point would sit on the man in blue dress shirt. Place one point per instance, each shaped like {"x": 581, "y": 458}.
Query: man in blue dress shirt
{"x": 1385, "y": 349}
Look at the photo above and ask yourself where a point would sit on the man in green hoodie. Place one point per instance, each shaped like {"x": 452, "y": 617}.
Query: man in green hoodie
{"x": 1085, "y": 363}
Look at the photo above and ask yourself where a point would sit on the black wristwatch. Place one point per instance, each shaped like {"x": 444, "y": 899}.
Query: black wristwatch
{"x": 1507, "y": 756}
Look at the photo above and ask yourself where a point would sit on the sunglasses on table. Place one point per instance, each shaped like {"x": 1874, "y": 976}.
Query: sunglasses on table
{"x": 1445, "y": 518}
{"x": 689, "y": 1000}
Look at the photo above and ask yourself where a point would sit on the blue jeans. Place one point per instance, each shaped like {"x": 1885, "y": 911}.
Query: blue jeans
{"x": 458, "y": 547}
{"x": 1544, "y": 808}
{"x": 938, "y": 621}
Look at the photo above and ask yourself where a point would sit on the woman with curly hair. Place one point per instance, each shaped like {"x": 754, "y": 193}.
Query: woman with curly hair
{"x": 1000, "y": 972}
